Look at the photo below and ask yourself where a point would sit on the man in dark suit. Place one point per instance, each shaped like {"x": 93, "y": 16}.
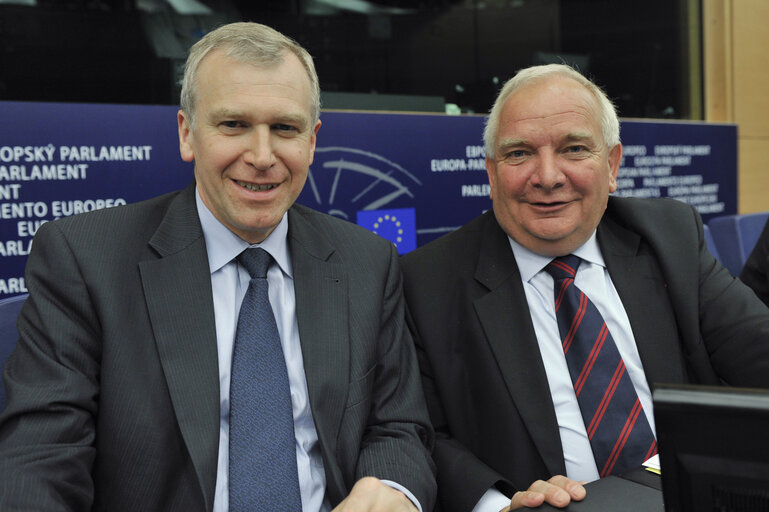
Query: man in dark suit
{"x": 481, "y": 303}
{"x": 119, "y": 388}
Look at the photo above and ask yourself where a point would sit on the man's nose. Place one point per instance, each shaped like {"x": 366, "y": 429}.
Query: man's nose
{"x": 548, "y": 173}
{"x": 259, "y": 153}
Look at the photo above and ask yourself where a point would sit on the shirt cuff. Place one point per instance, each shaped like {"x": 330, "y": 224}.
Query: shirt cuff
{"x": 405, "y": 491}
{"x": 492, "y": 501}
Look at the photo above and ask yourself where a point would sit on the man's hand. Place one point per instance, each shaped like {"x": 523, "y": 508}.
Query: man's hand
{"x": 558, "y": 492}
{"x": 369, "y": 494}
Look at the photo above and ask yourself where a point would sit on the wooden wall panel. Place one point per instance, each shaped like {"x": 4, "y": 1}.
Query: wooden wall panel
{"x": 753, "y": 178}
{"x": 751, "y": 66}
{"x": 736, "y": 61}
{"x": 717, "y": 57}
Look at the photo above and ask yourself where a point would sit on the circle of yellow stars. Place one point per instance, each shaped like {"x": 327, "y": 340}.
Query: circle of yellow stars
{"x": 394, "y": 220}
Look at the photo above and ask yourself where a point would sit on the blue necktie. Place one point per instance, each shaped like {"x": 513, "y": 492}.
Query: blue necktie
{"x": 262, "y": 455}
{"x": 620, "y": 435}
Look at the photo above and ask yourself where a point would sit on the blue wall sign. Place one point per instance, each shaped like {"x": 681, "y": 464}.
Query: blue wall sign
{"x": 407, "y": 177}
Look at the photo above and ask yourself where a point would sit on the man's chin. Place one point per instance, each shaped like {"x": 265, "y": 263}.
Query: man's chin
{"x": 556, "y": 243}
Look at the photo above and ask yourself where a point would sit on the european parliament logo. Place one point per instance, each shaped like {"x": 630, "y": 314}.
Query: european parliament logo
{"x": 396, "y": 225}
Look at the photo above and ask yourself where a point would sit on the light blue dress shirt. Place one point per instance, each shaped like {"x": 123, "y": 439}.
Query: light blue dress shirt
{"x": 229, "y": 282}
{"x": 593, "y": 279}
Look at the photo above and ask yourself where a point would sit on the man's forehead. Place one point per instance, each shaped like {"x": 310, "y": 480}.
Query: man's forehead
{"x": 229, "y": 83}
{"x": 245, "y": 111}
{"x": 528, "y": 114}
{"x": 287, "y": 63}
{"x": 560, "y": 113}
{"x": 584, "y": 137}
{"x": 558, "y": 123}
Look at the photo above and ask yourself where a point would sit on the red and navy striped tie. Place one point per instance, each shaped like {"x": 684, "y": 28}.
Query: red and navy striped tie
{"x": 616, "y": 425}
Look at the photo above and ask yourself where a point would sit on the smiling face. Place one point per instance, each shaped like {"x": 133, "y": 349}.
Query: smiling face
{"x": 552, "y": 173}
{"x": 253, "y": 140}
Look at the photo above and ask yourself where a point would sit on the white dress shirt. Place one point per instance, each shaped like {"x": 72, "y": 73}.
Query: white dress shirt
{"x": 593, "y": 279}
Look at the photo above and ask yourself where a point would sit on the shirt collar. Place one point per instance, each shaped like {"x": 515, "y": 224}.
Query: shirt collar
{"x": 531, "y": 263}
{"x": 223, "y": 245}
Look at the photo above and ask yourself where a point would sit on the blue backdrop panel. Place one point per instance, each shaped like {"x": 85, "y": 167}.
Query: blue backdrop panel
{"x": 693, "y": 162}
{"x": 58, "y": 159}
{"x": 407, "y": 177}
{"x": 431, "y": 163}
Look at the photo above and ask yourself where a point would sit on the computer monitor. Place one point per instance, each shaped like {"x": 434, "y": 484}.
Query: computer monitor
{"x": 714, "y": 448}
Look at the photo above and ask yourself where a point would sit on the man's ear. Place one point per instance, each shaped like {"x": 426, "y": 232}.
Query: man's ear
{"x": 313, "y": 140}
{"x": 491, "y": 172}
{"x": 615, "y": 158}
{"x": 185, "y": 135}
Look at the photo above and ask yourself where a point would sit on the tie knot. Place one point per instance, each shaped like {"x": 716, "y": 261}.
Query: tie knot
{"x": 256, "y": 260}
{"x": 563, "y": 267}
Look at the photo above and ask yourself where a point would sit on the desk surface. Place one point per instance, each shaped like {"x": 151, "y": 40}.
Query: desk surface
{"x": 616, "y": 494}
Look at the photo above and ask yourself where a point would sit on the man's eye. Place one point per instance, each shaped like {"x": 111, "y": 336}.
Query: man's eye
{"x": 231, "y": 124}
{"x": 576, "y": 149}
{"x": 516, "y": 154}
{"x": 283, "y": 127}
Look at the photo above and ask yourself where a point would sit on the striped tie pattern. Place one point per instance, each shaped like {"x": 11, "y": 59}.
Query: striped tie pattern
{"x": 616, "y": 425}
{"x": 263, "y": 472}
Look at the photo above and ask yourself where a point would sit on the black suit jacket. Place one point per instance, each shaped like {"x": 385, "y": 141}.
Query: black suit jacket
{"x": 484, "y": 379}
{"x": 113, "y": 389}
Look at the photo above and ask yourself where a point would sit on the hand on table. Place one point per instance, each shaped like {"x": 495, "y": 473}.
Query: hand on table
{"x": 558, "y": 491}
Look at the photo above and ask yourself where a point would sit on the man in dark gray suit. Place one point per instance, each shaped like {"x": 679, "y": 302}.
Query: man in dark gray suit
{"x": 119, "y": 388}
{"x": 510, "y": 428}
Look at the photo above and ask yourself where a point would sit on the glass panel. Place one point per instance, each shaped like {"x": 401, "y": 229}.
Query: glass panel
{"x": 368, "y": 52}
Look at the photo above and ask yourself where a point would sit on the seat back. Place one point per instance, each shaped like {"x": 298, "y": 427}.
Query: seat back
{"x": 735, "y": 236}
{"x": 710, "y": 242}
{"x": 9, "y": 311}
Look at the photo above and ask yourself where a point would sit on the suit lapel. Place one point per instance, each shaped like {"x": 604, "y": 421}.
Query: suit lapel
{"x": 639, "y": 281}
{"x": 506, "y": 320}
{"x": 320, "y": 287}
{"x": 177, "y": 288}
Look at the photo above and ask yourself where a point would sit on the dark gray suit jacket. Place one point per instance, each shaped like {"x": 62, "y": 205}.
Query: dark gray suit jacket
{"x": 484, "y": 379}
{"x": 113, "y": 389}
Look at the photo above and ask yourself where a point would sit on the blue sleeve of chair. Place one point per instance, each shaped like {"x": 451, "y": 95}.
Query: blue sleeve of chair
{"x": 750, "y": 226}
{"x": 735, "y": 236}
